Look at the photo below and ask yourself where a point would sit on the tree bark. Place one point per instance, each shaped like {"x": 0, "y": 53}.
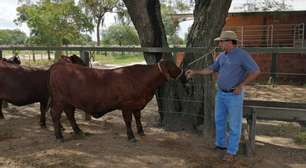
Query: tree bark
{"x": 182, "y": 108}
{"x": 209, "y": 19}
{"x": 146, "y": 17}
{"x": 98, "y": 30}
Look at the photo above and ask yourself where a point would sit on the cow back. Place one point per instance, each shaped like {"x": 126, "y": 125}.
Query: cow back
{"x": 22, "y": 85}
{"x": 104, "y": 90}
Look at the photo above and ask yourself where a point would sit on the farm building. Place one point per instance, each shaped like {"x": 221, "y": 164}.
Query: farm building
{"x": 270, "y": 29}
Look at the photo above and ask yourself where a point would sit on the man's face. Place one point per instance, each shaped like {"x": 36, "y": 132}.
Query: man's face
{"x": 225, "y": 44}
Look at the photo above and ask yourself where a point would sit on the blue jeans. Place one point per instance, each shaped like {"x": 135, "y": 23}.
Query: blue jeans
{"x": 228, "y": 120}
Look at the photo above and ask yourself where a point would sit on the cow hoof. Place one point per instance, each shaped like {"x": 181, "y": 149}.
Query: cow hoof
{"x": 43, "y": 126}
{"x": 60, "y": 140}
{"x": 141, "y": 134}
{"x": 62, "y": 128}
{"x": 80, "y": 135}
{"x": 133, "y": 140}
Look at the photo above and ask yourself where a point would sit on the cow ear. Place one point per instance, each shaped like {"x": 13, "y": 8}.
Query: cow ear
{"x": 179, "y": 58}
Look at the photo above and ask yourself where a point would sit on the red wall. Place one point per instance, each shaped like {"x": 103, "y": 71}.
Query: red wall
{"x": 286, "y": 63}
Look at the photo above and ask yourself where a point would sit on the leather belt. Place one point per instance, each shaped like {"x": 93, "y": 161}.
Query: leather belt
{"x": 227, "y": 91}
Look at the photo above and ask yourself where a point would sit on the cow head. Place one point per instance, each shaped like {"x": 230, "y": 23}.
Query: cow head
{"x": 171, "y": 71}
{"x": 72, "y": 59}
{"x": 77, "y": 60}
{"x": 12, "y": 60}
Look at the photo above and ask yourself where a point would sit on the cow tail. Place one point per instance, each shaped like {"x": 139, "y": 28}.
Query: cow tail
{"x": 49, "y": 101}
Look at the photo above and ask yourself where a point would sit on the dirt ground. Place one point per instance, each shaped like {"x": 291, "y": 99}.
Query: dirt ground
{"x": 23, "y": 144}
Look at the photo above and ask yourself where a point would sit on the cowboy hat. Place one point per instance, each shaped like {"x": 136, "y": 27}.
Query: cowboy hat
{"x": 227, "y": 35}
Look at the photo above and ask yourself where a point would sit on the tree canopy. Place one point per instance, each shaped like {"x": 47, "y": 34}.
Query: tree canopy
{"x": 12, "y": 37}
{"x": 54, "y": 22}
{"x": 97, "y": 9}
{"x": 120, "y": 35}
{"x": 265, "y": 5}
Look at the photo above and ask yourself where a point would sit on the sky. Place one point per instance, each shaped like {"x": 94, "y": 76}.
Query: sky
{"x": 8, "y": 14}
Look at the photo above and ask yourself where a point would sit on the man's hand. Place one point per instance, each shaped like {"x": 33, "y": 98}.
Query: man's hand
{"x": 238, "y": 89}
{"x": 189, "y": 73}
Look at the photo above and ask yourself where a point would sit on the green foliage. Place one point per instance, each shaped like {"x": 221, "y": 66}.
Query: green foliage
{"x": 170, "y": 25}
{"x": 54, "y": 23}
{"x": 120, "y": 35}
{"x": 12, "y": 37}
{"x": 96, "y": 9}
{"x": 168, "y": 8}
{"x": 301, "y": 137}
{"x": 265, "y": 5}
{"x": 175, "y": 40}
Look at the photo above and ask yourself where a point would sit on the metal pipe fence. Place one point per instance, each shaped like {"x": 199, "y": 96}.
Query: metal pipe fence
{"x": 276, "y": 35}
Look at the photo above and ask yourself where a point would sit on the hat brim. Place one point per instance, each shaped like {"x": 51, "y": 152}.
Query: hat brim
{"x": 219, "y": 39}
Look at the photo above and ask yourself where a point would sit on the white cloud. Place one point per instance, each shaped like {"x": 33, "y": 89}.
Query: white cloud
{"x": 8, "y": 14}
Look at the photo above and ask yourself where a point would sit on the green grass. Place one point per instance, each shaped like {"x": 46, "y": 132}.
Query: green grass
{"x": 301, "y": 137}
{"x": 110, "y": 58}
{"x": 118, "y": 58}
{"x": 37, "y": 63}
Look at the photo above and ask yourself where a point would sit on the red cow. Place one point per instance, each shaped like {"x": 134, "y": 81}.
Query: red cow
{"x": 99, "y": 91}
{"x": 26, "y": 85}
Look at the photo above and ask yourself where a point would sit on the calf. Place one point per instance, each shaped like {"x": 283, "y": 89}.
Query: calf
{"x": 99, "y": 91}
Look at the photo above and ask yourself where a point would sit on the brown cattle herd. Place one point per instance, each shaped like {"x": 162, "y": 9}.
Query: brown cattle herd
{"x": 68, "y": 84}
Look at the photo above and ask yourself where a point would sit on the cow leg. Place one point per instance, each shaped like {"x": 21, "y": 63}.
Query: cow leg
{"x": 56, "y": 112}
{"x": 127, "y": 116}
{"x": 69, "y": 111}
{"x": 1, "y": 114}
{"x": 43, "y": 111}
{"x": 137, "y": 116}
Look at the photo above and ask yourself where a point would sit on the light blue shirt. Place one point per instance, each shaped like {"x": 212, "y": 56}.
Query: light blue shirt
{"x": 232, "y": 68}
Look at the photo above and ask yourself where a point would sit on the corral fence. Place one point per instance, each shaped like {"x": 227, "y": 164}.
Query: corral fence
{"x": 273, "y": 35}
{"x": 253, "y": 109}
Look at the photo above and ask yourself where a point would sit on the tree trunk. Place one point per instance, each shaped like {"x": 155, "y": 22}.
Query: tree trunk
{"x": 209, "y": 19}
{"x": 195, "y": 105}
{"x": 98, "y": 31}
{"x": 146, "y": 16}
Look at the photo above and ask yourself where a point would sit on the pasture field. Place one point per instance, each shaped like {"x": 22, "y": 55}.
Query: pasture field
{"x": 41, "y": 57}
{"x": 24, "y": 144}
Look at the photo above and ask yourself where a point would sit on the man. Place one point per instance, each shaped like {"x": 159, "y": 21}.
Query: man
{"x": 235, "y": 68}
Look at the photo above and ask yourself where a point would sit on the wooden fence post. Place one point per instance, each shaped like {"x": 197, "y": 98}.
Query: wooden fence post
{"x": 273, "y": 69}
{"x": 49, "y": 55}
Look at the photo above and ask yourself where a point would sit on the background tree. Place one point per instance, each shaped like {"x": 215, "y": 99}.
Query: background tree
{"x": 265, "y": 5}
{"x": 207, "y": 25}
{"x": 97, "y": 10}
{"x": 122, "y": 15}
{"x": 54, "y": 23}
{"x": 12, "y": 37}
{"x": 168, "y": 8}
{"x": 120, "y": 35}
